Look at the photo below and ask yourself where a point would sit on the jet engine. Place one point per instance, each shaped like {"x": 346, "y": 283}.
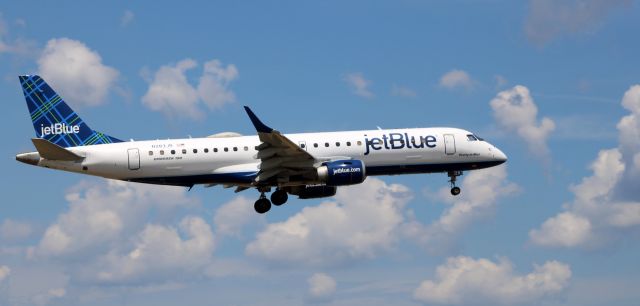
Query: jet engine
{"x": 342, "y": 172}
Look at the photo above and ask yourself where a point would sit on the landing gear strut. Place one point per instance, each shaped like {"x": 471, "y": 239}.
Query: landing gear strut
{"x": 262, "y": 205}
{"x": 453, "y": 175}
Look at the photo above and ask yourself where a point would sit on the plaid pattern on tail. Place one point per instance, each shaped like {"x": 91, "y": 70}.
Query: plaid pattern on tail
{"x": 54, "y": 120}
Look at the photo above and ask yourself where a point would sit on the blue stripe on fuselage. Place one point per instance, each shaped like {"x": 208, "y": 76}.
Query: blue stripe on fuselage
{"x": 248, "y": 177}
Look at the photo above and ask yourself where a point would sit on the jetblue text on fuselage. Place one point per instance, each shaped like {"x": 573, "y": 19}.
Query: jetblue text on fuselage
{"x": 397, "y": 141}
{"x": 58, "y": 129}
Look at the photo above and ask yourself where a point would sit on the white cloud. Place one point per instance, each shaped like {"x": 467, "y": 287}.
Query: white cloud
{"x": 515, "y": 110}
{"x": 464, "y": 280}
{"x": 456, "y": 79}
{"x": 170, "y": 91}
{"x": 232, "y": 217}
{"x": 160, "y": 251}
{"x": 606, "y": 204}
{"x": 100, "y": 216}
{"x": 481, "y": 191}
{"x": 214, "y": 83}
{"x": 321, "y": 286}
{"x": 127, "y": 18}
{"x": 402, "y": 91}
{"x": 358, "y": 84}
{"x": 4, "y": 272}
{"x": 565, "y": 229}
{"x": 76, "y": 72}
{"x": 14, "y": 230}
{"x": 548, "y": 19}
{"x": 371, "y": 214}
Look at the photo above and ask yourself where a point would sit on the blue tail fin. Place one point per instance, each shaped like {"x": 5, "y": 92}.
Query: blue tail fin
{"x": 54, "y": 120}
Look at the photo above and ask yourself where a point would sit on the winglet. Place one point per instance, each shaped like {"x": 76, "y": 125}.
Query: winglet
{"x": 260, "y": 127}
{"x": 52, "y": 151}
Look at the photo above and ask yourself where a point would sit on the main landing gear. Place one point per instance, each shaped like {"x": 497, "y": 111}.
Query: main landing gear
{"x": 453, "y": 175}
{"x": 263, "y": 204}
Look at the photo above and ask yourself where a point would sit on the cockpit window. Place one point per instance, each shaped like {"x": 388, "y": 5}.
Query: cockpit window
{"x": 470, "y": 137}
{"x": 478, "y": 137}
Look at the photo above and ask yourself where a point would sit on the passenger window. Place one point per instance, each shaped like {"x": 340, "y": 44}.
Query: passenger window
{"x": 359, "y": 142}
{"x": 326, "y": 144}
{"x": 195, "y": 151}
{"x": 315, "y": 145}
{"x": 161, "y": 152}
{"x": 337, "y": 144}
{"x": 206, "y": 150}
{"x": 471, "y": 137}
{"x": 173, "y": 152}
{"x": 348, "y": 143}
{"x": 302, "y": 145}
{"x": 215, "y": 150}
{"x": 150, "y": 153}
{"x": 226, "y": 149}
{"x": 235, "y": 149}
{"x": 184, "y": 151}
{"x": 246, "y": 148}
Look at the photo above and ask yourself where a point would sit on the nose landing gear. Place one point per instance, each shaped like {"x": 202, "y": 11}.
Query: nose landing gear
{"x": 453, "y": 175}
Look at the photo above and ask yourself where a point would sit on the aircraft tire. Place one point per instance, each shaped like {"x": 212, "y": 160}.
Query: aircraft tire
{"x": 455, "y": 191}
{"x": 279, "y": 197}
{"x": 262, "y": 205}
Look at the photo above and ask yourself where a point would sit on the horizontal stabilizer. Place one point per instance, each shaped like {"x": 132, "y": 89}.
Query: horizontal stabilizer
{"x": 52, "y": 151}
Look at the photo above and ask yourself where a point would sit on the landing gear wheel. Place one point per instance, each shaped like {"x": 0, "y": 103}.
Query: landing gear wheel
{"x": 262, "y": 205}
{"x": 279, "y": 197}
{"x": 455, "y": 191}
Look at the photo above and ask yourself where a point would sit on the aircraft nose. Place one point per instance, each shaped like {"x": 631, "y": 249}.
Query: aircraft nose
{"x": 499, "y": 155}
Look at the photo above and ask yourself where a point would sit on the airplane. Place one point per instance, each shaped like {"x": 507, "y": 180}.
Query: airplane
{"x": 307, "y": 165}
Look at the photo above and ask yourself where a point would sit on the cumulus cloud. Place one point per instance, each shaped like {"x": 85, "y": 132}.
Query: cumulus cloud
{"x": 76, "y": 72}
{"x": 464, "y": 280}
{"x": 372, "y": 214}
{"x": 607, "y": 203}
{"x": 401, "y": 91}
{"x": 456, "y": 79}
{"x": 127, "y": 18}
{"x": 160, "y": 251}
{"x": 481, "y": 191}
{"x": 321, "y": 286}
{"x": 14, "y": 230}
{"x": 232, "y": 217}
{"x": 515, "y": 110}
{"x": 101, "y": 215}
{"x": 171, "y": 93}
{"x": 4, "y": 272}
{"x": 548, "y": 19}
{"x": 358, "y": 84}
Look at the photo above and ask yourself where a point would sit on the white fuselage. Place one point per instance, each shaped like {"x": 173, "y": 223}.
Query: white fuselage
{"x": 232, "y": 160}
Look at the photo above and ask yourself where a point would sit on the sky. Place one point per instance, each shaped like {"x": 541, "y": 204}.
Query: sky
{"x": 554, "y": 84}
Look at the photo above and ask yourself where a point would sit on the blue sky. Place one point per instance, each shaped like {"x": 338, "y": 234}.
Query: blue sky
{"x": 549, "y": 82}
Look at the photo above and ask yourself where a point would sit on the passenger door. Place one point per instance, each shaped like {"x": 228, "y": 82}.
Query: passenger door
{"x": 134, "y": 159}
{"x": 449, "y": 144}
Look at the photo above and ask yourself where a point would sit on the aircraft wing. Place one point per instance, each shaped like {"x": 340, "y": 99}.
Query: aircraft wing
{"x": 280, "y": 158}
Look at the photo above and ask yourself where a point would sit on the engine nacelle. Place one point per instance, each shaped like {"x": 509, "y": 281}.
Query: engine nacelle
{"x": 342, "y": 172}
{"x": 314, "y": 192}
